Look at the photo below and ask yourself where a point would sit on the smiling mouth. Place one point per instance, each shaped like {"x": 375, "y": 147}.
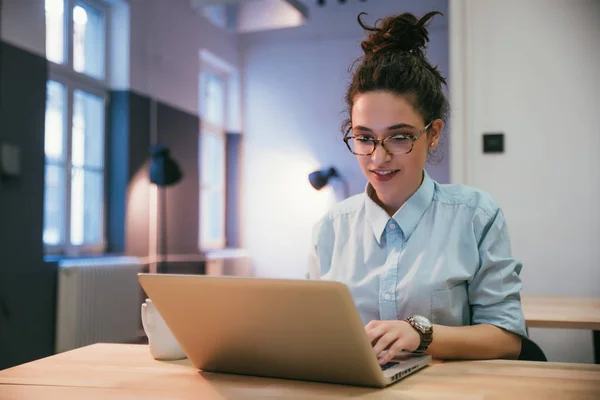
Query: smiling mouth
{"x": 384, "y": 173}
{"x": 384, "y": 176}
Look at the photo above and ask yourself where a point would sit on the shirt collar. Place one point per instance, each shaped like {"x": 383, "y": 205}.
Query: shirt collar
{"x": 407, "y": 217}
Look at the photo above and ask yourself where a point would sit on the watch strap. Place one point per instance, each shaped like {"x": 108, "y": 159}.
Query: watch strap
{"x": 426, "y": 337}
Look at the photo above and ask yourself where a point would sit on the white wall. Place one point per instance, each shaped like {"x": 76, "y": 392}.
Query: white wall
{"x": 294, "y": 84}
{"x": 23, "y": 25}
{"x": 166, "y": 39}
{"x": 531, "y": 69}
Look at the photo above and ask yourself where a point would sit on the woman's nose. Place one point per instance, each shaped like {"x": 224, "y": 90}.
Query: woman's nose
{"x": 380, "y": 155}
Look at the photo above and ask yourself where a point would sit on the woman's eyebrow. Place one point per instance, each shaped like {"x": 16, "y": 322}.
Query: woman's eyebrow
{"x": 390, "y": 128}
{"x": 398, "y": 126}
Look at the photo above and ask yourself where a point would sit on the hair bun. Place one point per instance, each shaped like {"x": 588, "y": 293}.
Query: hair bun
{"x": 404, "y": 32}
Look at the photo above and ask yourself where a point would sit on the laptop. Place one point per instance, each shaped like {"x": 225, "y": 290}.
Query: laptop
{"x": 281, "y": 328}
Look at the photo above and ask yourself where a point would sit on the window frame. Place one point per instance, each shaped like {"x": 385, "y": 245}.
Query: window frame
{"x": 65, "y": 74}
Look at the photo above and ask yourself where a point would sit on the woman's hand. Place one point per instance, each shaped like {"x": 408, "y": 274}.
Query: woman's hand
{"x": 393, "y": 336}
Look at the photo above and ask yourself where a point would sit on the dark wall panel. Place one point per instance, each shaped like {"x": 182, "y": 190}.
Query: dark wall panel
{"x": 129, "y": 187}
{"x": 127, "y": 168}
{"x": 137, "y": 220}
{"x": 178, "y": 131}
{"x": 117, "y": 163}
{"x": 27, "y": 284}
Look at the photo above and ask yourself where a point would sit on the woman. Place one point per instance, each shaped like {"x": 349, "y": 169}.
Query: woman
{"x": 429, "y": 266}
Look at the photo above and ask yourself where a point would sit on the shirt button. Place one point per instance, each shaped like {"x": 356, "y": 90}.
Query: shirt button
{"x": 392, "y": 226}
{"x": 387, "y": 296}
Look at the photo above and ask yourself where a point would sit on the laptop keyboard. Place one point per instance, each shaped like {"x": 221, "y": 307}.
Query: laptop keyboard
{"x": 388, "y": 365}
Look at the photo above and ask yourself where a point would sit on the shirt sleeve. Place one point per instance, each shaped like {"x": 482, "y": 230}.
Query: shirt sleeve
{"x": 321, "y": 249}
{"x": 314, "y": 269}
{"x": 494, "y": 291}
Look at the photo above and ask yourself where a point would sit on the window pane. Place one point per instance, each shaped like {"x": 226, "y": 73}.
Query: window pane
{"x": 86, "y": 206}
{"x": 55, "y": 30}
{"x": 213, "y": 217}
{"x": 214, "y": 110}
{"x": 213, "y": 156}
{"x": 55, "y": 121}
{"x": 89, "y": 35}
{"x": 87, "y": 147}
{"x": 54, "y": 200}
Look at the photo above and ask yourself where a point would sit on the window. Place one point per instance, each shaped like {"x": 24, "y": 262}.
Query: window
{"x": 89, "y": 37}
{"x": 220, "y": 115}
{"x": 213, "y": 104}
{"x": 55, "y": 30}
{"x": 75, "y": 126}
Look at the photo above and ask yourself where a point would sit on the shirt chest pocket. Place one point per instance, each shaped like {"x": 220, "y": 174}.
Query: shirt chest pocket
{"x": 451, "y": 306}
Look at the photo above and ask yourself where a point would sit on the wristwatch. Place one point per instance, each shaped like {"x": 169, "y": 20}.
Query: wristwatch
{"x": 425, "y": 330}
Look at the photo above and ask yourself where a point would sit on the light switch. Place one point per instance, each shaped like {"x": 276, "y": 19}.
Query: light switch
{"x": 10, "y": 160}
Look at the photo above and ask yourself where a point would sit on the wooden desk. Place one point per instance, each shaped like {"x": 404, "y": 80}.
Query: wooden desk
{"x": 112, "y": 371}
{"x": 564, "y": 312}
{"x": 561, "y": 312}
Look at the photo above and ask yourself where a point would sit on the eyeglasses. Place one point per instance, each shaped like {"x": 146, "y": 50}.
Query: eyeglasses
{"x": 365, "y": 145}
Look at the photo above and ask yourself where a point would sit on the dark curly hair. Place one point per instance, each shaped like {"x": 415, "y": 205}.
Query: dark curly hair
{"x": 395, "y": 62}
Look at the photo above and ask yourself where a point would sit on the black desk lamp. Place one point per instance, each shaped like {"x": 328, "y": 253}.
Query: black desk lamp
{"x": 164, "y": 172}
{"x": 320, "y": 179}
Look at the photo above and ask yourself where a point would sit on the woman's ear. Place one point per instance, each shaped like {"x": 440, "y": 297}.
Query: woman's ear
{"x": 435, "y": 132}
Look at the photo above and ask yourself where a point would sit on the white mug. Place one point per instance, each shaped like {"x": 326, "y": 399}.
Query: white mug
{"x": 163, "y": 345}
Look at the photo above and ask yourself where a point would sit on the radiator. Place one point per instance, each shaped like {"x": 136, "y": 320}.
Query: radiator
{"x": 98, "y": 300}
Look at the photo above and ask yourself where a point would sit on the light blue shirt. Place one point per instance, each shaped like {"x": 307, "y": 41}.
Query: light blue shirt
{"x": 445, "y": 255}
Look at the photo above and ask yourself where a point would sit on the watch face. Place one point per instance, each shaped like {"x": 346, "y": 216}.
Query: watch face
{"x": 422, "y": 321}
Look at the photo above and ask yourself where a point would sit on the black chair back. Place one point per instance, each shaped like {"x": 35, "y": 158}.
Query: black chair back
{"x": 530, "y": 351}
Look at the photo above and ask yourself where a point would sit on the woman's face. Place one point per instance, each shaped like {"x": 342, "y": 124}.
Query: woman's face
{"x": 395, "y": 177}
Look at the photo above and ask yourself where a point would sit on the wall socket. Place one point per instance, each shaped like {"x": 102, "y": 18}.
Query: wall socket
{"x": 493, "y": 142}
{"x": 10, "y": 161}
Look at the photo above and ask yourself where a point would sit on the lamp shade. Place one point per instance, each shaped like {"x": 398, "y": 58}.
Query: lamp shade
{"x": 164, "y": 171}
{"x": 319, "y": 179}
